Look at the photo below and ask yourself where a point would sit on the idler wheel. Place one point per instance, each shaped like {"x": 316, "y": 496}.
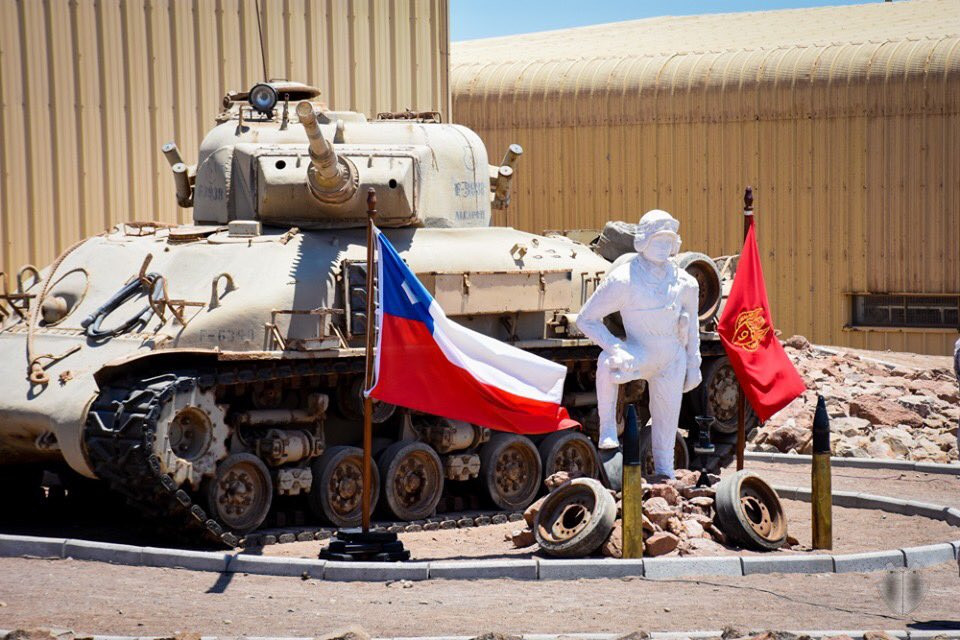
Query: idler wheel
{"x": 749, "y": 512}
{"x": 717, "y": 397}
{"x": 569, "y": 451}
{"x": 575, "y": 519}
{"x": 681, "y": 453}
{"x": 337, "y": 490}
{"x": 510, "y": 471}
{"x": 241, "y": 492}
{"x": 412, "y": 477}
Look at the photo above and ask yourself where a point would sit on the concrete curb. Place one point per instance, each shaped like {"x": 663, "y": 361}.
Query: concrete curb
{"x": 855, "y": 634}
{"x": 859, "y": 463}
{"x": 527, "y": 568}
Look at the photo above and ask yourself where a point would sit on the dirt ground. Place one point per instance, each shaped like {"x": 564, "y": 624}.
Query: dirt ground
{"x": 94, "y": 597}
{"x": 854, "y": 530}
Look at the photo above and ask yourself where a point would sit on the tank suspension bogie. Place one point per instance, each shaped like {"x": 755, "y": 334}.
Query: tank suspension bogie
{"x": 332, "y": 179}
{"x": 284, "y": 446}
{"x": 447, "y": 436}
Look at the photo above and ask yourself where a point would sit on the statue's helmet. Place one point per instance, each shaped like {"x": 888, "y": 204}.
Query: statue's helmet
{"x": 655, "y": 222}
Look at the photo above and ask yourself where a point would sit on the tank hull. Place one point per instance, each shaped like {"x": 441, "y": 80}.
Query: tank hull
{"x": 275, "y": 272}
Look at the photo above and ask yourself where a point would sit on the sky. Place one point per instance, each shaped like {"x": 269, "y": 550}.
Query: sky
{"x": 470, "y": 19}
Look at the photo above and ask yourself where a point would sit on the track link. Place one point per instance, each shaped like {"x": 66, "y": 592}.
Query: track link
{"x": 119, "y": 436}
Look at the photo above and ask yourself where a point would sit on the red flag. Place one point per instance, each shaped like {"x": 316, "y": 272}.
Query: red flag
{"x": 768, "y": 378}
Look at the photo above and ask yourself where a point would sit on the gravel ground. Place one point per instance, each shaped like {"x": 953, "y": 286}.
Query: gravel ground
{"x": 94, "y": 597}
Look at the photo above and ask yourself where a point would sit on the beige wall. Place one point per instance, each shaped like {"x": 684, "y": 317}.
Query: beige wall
{"x": 852, "y": 151}
{"x": 89, "y": 90}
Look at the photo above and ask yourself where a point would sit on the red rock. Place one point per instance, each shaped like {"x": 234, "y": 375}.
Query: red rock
{"x": 883, "y": 412}
{"x": 786, "y": 437}
{"x": 946, "y": 391}
{"x": 613, "y": 546}
{"x": 658, "y": 511}
{"x": 691, "y": 493}
{"x": 686, "y": 477}
{"x": 522, "y": 538}
{"x": 665, "y": 491}
{"x": 559, "y": 478}
{"x": 530, "y": 515}
{"x": 660, "y": 543}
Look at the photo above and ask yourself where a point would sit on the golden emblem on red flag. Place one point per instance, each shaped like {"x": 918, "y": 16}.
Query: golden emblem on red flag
{"x": 749, "y": 329}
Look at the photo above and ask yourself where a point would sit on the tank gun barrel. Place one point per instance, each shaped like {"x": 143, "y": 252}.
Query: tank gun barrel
{"x": 332, "y": 179}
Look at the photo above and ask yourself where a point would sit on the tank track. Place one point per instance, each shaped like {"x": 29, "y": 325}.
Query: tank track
{"x": 119, "y": 437}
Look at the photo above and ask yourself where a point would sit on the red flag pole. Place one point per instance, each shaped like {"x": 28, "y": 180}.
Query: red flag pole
{"x": 367, "y": 400}
{"x": 741, "y": 407}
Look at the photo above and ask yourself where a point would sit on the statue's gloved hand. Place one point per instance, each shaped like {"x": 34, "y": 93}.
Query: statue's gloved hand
{"x": 693, "y": 378}
{"x": 622, "y": 361}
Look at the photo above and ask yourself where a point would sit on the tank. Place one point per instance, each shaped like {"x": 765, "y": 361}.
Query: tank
{"x": 212, "y": 372}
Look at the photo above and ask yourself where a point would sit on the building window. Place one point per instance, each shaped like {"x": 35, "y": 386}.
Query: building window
{"x": 906, "y": 311}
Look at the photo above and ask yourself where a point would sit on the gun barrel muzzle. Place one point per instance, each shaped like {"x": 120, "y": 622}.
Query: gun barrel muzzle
{"x": 331, "y": 178}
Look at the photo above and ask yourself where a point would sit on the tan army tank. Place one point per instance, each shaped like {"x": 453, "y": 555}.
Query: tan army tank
{"x": 203, "y": 370}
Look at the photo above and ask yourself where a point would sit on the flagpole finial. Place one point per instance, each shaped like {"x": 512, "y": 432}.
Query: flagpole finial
{"x": 748, "y": 200}
{"x": 371, "y": 202}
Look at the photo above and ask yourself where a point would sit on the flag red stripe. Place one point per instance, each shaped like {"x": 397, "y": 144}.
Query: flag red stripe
{"x": 415, "y": 373}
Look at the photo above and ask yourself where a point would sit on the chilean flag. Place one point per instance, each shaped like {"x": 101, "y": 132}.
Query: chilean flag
{"x": 769, "y": 380}
{"x": 429, "y": 363}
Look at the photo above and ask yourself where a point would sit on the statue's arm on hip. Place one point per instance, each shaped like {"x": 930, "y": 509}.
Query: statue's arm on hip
{"x": 609, "y": 298}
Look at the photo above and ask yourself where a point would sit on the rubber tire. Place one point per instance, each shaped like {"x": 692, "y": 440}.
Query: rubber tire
{"x": 211, "y": 489}
{"x": 389, "y": 460}
{"x": 681, "y": 453}
{"x": 492, "y": 450}
{"x": 732, "y": 521}
{"x": 322, "y": 469}
{"x": 597, "y": 528}
{"x": 701, "y": 399}
{"x": 550, "y": 446}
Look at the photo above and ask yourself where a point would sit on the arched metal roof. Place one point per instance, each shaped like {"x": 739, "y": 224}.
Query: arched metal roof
{"x": 881, "y": 58}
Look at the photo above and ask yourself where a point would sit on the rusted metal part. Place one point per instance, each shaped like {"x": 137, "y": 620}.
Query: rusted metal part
{"x": 749, "y": 511}
{"x": 417, "y": 116}
{"x": 575, "y": 518}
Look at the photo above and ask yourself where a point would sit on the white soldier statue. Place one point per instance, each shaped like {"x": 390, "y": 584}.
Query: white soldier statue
{"x": 658, "y": 303}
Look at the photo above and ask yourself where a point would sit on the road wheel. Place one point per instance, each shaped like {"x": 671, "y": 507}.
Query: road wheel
{"x": 241, "y": 492}
{"x": 575, "y": 519}
{"x": 510, "y": 471}
{"x": 681, "y": 454}
{"x": 749, "y": 512}
{"x": 337, "y": 490}
{"x": 412, "y": 477}
{"x": 717, "y": 396}
{"x": 569, "y": 451}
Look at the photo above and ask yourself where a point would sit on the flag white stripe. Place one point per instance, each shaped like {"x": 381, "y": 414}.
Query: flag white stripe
{"x": 496, "y": 363}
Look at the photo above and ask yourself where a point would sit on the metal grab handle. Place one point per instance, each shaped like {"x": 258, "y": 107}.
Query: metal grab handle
{"x": 214, "y": 286}
{"x": 24, "y": 269}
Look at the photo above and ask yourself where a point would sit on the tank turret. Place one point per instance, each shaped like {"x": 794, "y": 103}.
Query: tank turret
{"x": 304, "y": 169}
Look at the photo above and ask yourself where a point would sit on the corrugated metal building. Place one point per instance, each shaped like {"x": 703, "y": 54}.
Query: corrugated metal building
{"x": 90, "y": 89}
{"x": 846, "y": 120}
